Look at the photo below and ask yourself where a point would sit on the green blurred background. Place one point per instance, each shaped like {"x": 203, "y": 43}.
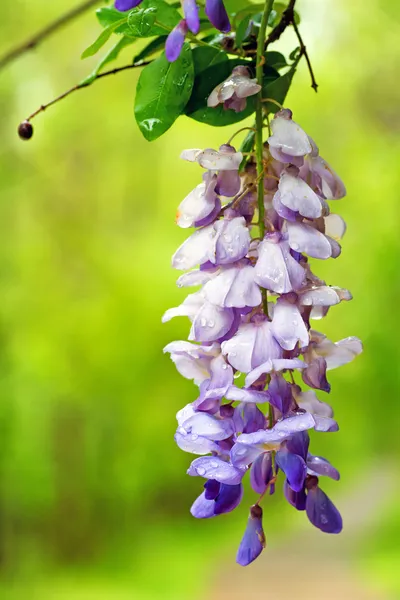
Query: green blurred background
{"x": 94, "y": 500}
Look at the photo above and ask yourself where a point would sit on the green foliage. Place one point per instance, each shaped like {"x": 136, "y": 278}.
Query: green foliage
{"x": 103, "y": 38}
{"x": 108, "y": 16}
{"x": 151, "y": 48}
{"x": 111, "y": 55}
{"x": 167, "y": 15}
{"x": 242, "y": 31}
{"x": 277, "y": 90}
{"x": 162, "y": 93}
{"x": 246, "y": 146}
{"x": 141, "y": 21}
{"x": 275, "y": 59}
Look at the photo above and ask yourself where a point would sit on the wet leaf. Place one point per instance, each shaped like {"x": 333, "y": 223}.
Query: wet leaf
{"x": 151, "y": 48}
{"x": 109, "y": 57}
{"x": 277, "y": 90}
{"x": 162, "y": 93}
{"x": 103, "y": 38}
{"x": 141, "y": 22}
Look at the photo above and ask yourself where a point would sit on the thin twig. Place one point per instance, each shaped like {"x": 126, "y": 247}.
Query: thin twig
{"x": 286, "y": 19}
{"x": 35, "y": 40}
{"x": 84, "y": 84}
{"x": 303, "y": 52}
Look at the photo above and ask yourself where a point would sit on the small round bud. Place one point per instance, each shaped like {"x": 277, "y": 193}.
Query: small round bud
{"x": 25, "y": 130}
{"x": 311, "y": 482}
{"x": 256, "y": 512}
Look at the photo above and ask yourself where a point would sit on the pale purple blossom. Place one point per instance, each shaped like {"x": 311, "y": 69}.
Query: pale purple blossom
{"x": 251, "y": 342}
{"x": 234, "y": 91}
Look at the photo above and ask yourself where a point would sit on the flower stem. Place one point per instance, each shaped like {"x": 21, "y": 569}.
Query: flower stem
{"x": 260, "y": 61}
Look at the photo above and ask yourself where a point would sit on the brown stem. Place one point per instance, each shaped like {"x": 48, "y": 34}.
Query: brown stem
{"x": 45, "y": 32}
{"x": 80, "y": 86}
{"x": 303, "y": 52}
{"x": 286, "y": 19}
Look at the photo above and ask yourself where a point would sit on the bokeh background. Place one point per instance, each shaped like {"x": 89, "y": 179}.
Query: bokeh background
{"x": 93, "y": 493}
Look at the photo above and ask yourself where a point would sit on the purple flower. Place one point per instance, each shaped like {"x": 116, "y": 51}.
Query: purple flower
{"x": 191, "y": 12}
{"x": 234, "y": 286}
{"x": 225, "y": 161}
{"x": 276, "y": 269}
{"x": 253, "y": 542}
{"x": 234, "y": 91}
{"x": 124, "y": 5}
{"x": 252, "y": 345}
{"x": 218, "y": 498}
{"x": 295, "y": 194}
{"x": 175, "y": 40}
{"x": 322, "y": 513}
{"x": 251, "y": 318}
{"x": 249, "y": 446}
{"x": 216, "y": 12}
{"x": 199, "y": 204}
{"x": 288, "y": 327}
{"x": 191, "y": 360}
{"x": 288, "y": 142}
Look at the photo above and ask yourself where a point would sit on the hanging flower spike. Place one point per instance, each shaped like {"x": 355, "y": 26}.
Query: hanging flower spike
{"x": 191, "y": 12}
{"x": 232, "y": 92}
{"x": 124, "y": 5}
{"x": 262, "y": 427}
{"x": 217, "y": 15}
{"x": 175, "y": 40}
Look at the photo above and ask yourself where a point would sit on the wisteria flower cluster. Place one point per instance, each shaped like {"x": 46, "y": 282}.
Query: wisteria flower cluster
{"x": 251, "y": 341}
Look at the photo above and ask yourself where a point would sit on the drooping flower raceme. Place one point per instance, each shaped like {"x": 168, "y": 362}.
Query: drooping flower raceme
{"x": 252, "y": 322}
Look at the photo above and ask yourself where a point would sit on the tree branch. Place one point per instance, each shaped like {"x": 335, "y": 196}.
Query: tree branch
{"x": 286, "y": 19}
{"x": 25, "y": 129}
{"x": 46, "y": 32}
{"x": 303, "y": 52}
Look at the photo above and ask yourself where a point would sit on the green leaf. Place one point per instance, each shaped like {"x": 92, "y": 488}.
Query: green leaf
{"x": 275, "y": 59}
{"x": 204, "y": 84}
{"x": 162, "y": 93}
{"x": 109, "y": 57}
{"x": 247, "y": 146}
{"x": 151, "y": 48}
{"x": 277, "y": 90}
{"x": 250, "y": 10}
{"x": 102, "y": 39}
{"x": 167, "y": 16}
{"x": 204, "y": 57}
{"x": 233, "y": 7}
{"x": 242, "y": 31}
{"x": 141, "y": 21}
{"x": 108, "y": 15}
{"x": 294, "y": 53}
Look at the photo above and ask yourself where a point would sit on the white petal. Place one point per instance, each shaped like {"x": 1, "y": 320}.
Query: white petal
{"x": 289, "y": 137}
{"x": 304, "y": 238}
{"x": 339, "y": 353}
{"x": 194, "y": 207}
{"x": 191, "y": 154}
{"x": 288, "y": 327}
{"x": 335, "y": 226}
{"x": 298, "y": 196}
{"x": 220, "y": 161}
{"x": 197, "y": 249}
